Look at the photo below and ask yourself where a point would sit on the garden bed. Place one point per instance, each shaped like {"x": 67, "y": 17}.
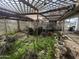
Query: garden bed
{"x": 32, "y": 48}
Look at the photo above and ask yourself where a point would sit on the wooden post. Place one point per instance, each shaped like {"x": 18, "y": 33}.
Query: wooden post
{"x": 78, "y": 24}
{"x": 5, "y": 27}
{"x": 63, "y": 26}
{"x": 37, "y": 15}
{"x": 18, "y": 25}
{"x": 37, "y": 21}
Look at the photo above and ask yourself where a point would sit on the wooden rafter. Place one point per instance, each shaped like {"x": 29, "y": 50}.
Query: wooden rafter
{"x": 58, "y": 9}
{"x": 70, "y": 13}
{"x": 8, "y": 13}
{"x": 52, "y": 15}
{"x": 28, "y": 4}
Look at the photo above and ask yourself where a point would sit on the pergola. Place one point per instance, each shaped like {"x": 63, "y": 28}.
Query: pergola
{"x": 50, "y": 9}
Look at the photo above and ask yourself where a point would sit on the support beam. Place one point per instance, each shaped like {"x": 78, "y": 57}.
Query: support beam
{"x": 44, "y": 16}
{"x": 5, "y": 24}
{"x": 63, "y": 26}
{"x": 70, "y": 13}
{"x": 58, "y": 9}
{"x": 34, "y": 14}
{"x": 52, "y": 15}
{"x": 37, "y": 21}
{"x": 3, "y": 9}
{"x": 28, "y": 4}
{"x": 29, "y": 13}
{"x": 2, "y": 13}
{"x": 18, "y": 25}
{"x": 8, "y": 13}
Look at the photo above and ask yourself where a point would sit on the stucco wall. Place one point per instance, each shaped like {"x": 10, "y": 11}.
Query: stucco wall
{"x": 11, "y": 26}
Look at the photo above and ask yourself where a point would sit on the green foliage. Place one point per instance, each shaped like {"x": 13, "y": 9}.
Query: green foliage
{"x": 46, "y": 44}
{"x": 43, "y": 47}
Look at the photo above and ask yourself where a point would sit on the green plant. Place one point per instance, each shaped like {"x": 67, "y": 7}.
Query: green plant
{"x": 43, "y": 48}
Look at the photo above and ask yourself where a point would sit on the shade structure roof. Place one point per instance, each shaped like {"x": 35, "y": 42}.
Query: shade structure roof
{"x": 50, "y": 9}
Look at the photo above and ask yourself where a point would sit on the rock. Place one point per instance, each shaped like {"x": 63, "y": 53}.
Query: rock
{"x": 73, "y": 47}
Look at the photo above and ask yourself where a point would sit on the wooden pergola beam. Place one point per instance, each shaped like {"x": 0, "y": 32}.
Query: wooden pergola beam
{"x": 58, "y": 9}
{"x": 28, "y": 4}
{"x": 7, "y": 10}
{"x": 8, "y": 13}
{"x": 44, "y": 16}
{"x": 69, "y": 14}
{"x": 29, "y": 13}
{"x": 52, "y": 15}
